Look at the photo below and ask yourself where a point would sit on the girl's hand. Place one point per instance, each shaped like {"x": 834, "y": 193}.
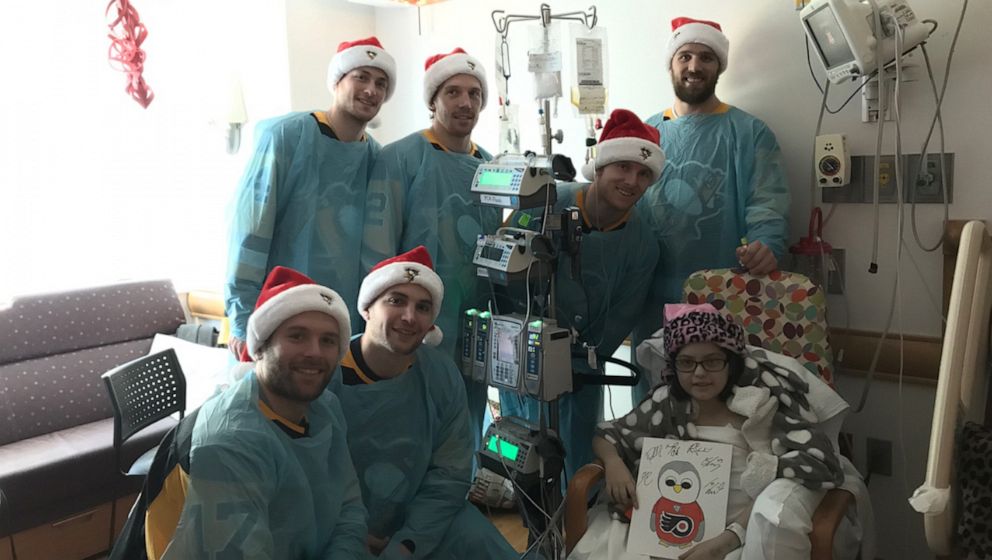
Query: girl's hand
{"x": 620, "y": 484}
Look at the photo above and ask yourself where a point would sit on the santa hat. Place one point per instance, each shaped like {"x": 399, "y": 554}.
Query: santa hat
{"x": 440, "y": 67}
{"x": 687, "y": 30}
{"x": 412, "y": 267}
{"x": 687, "y": 323}
{"x": 285, "y": 294}
{"x": 626, "y": 138}
{"x": 363, "y": 52}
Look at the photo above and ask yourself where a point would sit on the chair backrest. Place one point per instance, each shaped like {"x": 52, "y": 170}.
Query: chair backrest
{"x": 783, "y": 312}
{"x": 144, "y": 391}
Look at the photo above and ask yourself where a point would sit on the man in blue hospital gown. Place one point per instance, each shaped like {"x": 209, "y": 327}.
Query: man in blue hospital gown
{"x": 419, "y": 194}
{"x": 301, "y": 201}
{"x": 408, "y": 425}
{"x": 617, "y": 259}
{"x": 262, "y": 470}
{"x": 723, "y": 197}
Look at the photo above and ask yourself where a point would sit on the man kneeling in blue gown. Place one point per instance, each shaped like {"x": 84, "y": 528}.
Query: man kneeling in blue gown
{"x": 408, "y": 427}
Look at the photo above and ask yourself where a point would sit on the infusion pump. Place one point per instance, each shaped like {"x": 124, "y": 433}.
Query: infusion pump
{"x": 530, "y": 356}
{"x": 515, "y": 181}
{"x": 506, "y": 256}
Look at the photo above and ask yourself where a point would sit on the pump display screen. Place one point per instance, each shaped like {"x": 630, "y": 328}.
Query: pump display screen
{"x": 492, "y": 253}
{"x": 496, "y": 178}
{"x": 506, "y": 346}
{"x": 504, "y": 448}
{"x": 829, "y": 37}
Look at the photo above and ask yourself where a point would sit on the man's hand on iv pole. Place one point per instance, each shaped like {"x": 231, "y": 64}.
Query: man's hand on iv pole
{"x": 757, "y": 258}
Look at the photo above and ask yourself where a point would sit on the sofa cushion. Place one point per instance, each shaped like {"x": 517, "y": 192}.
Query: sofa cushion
{"x": 54, "y": 475}
{"x": 43, "y": 325}
{"x": 44, "y": 395}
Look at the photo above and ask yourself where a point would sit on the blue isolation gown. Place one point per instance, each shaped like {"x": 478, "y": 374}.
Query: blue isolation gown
{"x": 300, "y": 204}
{"x": 419, "y": 194}
{"x": 617, "y": 269}
{"x": 724, "y": 179}
{"x": 254, "y": 492}
{"x": 409, "y": 439}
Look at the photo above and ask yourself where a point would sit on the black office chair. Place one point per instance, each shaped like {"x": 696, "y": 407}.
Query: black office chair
{"x": 144, "y": 391}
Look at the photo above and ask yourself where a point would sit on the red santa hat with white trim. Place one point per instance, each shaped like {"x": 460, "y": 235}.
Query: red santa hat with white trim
{"x": 626, "y": 138}
{"x": 285, "y": 294}
{"x": 440, "y": 67}
{"x": 413, "y": 267}
{"x": 687, "y": 30}
{"x": 363, "y": 52}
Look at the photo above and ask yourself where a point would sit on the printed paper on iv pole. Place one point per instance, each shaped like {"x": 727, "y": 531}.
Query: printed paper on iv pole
{"x": 682, "y": 489}
{"x": 538, "y": 62}
{"x": 589, "y": 61}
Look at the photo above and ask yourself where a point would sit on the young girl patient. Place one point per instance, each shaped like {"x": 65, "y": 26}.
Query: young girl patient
{"x": 716, "y": 389}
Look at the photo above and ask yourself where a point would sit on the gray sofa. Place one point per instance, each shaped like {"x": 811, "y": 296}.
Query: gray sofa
{"x": 56, "y": 420}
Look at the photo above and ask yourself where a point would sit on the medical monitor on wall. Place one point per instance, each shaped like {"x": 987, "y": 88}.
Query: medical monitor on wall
{"x": 843, "y": 34}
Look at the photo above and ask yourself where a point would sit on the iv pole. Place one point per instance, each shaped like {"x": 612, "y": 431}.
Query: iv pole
{"x": 551, "y": 482}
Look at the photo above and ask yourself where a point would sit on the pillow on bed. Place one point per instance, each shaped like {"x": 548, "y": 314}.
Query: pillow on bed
{"x": 975, "y": 481}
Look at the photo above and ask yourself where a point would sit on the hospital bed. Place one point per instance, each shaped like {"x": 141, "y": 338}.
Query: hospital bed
{"x": 962, "y": 381}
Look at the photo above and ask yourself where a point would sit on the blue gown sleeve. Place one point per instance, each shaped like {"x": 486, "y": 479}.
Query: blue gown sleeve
{"x": 384, "y": 208}
{"x": 443, "y": 490}
{"x": 348, "y": 539}
{"x": 767, "y": 210}
{"x": 253, "y": 221}
{"x": 226, "y": 509}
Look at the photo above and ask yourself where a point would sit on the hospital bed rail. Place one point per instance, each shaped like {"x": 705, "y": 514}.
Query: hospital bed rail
{"x": 962, "y": 381}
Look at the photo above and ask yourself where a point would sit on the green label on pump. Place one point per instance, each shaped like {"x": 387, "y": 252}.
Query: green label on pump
{"x": 485, "y": 315}
{"x": 471, "y": 312}
{"x": 536, "y": 324}
{"x": 504, "y": 448}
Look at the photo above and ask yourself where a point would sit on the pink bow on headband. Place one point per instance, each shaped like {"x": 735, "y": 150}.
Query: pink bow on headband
{"x": 676, "y": 310}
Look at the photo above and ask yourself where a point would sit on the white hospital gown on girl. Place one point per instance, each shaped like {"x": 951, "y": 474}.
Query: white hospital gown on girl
{"x": 606, "y": 538}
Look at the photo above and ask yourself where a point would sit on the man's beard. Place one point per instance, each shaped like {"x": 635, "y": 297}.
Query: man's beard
{"x": 693, "y": 96}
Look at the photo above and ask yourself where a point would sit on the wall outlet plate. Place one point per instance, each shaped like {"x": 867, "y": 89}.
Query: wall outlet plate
{"x": 925, "y": 186}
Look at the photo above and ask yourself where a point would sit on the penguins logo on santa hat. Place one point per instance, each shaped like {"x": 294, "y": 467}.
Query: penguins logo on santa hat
{"x": 413, "y": 267}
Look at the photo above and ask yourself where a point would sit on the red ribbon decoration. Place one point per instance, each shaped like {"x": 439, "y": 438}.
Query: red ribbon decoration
{"x": 125, "y": 54}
